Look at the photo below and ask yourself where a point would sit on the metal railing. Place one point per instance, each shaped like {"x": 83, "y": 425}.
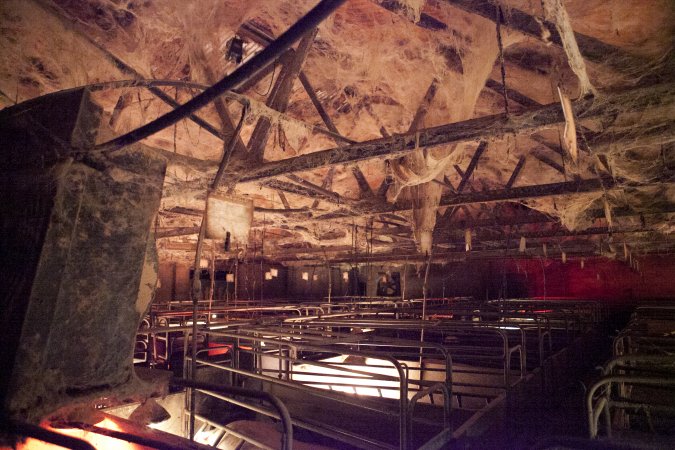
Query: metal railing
{"x": 640, "y": 379}
{"x": 370, "y": 355}
{"x": 228, "y": 394}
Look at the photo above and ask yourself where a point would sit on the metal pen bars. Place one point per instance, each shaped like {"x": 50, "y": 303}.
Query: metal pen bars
{"x": 636, "y": 390}
{"x": 364, "y": 360}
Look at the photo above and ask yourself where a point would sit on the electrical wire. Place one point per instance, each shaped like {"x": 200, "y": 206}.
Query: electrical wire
{"x": 269, "y": 88}
{"x": 245, "y": 72}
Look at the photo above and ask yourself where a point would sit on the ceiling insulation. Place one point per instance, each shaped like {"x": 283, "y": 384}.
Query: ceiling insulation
{"x": 376, "y": 69}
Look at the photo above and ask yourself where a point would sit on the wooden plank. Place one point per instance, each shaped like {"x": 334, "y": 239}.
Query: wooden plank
{"x": 364, "y": 187}
{"x": 483, "y": 128}
{"x": 512, "y": 94}
{"x": 304, "y": 191}
{"x": 283, "y": 199}
{"x": 280, "y": 96}
{"x": 466, "y": 176}
{"x": 591, "y": 48}
{"x": 549, "y": 162}
{"x": 318, "y": 189}
{"x": 503, "y": 195}
{"x": 326, "y": 184}
{"x": 472, "y": 166}
{"x": 516, "y": 172}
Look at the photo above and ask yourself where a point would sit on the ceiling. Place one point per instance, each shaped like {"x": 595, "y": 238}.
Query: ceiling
{"x": 385, "y": 133}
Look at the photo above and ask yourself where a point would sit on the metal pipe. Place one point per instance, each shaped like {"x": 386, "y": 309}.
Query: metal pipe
{"x": 286, "y": 439}
{"x": 246, "y": 71}
{"x": 438, "y": 387}
{"x": 650, "y": 359}
{"x": 608, "y": 380}
{"x": 229, "y": 430}
{"x": 403, "y": 382}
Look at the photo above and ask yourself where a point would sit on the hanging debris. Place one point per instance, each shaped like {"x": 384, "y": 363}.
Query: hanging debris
{"x": 556, "y": 13}
{"x": 228, "y": 216}
{"x": 608, "y": 212}
{"x": 569, "y": 141}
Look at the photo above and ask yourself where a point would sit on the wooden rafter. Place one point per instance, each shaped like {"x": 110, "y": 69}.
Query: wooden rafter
{"x": 545, "y": 159}
{"x": 283, "y": 199}
{"x": 516, "y": 172}
{"x": 466, "y": 176}
{"x": 472, "y": 166}
{"x": 503, "y": 195}
{"x": 306, "y": 190}
{"x": 591, "y": 48}
{"x": 512, "y": 94}
{"x": 280, "y": 95}
{"x": 483, "y": 128}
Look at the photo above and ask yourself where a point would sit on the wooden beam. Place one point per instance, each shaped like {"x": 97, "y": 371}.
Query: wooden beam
{"x": 122, "y": 102}
{"x": 466, "y": 176}
{"x": 384, "y": 186}
{"x": 269, "y": 70}
{"x": 484, "y": 237}
{"x": 392, "y": 230}
{"x": 483, "y": 128}
{"x": 512, "y": 94}
{"x": 591, "y": 48}
{"x": 326, "y": 184}
{"x": 262, "y": 38}
{"x": 410, "y": 256}
{"x": 467, "y": 213}
{"x": 531, "y": 217}
{"x": 503, "y": 195}
{"x": 364, "y": 187}
{"x": 311, "y": 93}
{"x": 516, "y": 172}
{"x": 229, "y": 127}
{"x": 320, "y": 190}
{"x": 423, "y": 108}
{"x": 227, "y": 124}
{"x": 472, "y": 166}
{"x": 444, "y": 183}
{"x": 175, "y": 231}
{"x": 535, "y": 217}
{"x": 280, "y": 96}
{"x": 312, "y": 191}
{"x": 330, "y": 125}
{"x": 283, "y": 199}
{"x": 527, "y": 192}
{"x": 431, "y": 23}
{"x": 124, "y": 67}
{"x": 303, "y": 212}
{"x": 309, "y": 250}
{"x": 496, "y": 249}
{"x": 549, "y": 162}
{"x": 548, "y": 144}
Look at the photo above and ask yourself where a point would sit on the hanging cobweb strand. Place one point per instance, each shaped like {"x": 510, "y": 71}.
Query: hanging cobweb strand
{"x": 556, "y": 13}
{"x": 457, "y": 102}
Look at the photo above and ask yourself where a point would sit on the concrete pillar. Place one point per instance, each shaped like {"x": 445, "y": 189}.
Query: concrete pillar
{"x": 78, "y": 260}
